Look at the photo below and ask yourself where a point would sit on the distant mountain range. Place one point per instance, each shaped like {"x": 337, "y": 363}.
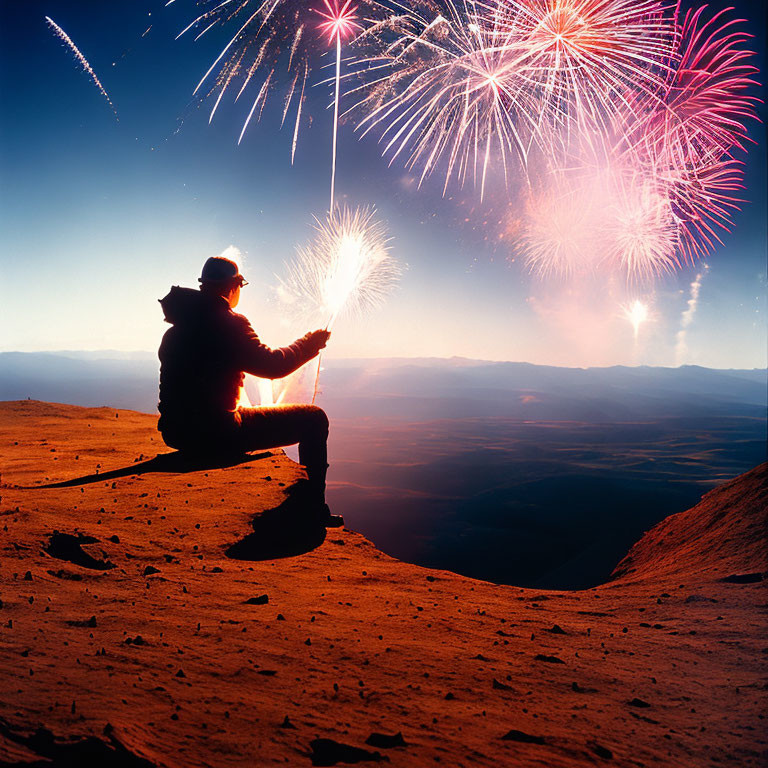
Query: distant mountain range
{"x": 419, "y": 388}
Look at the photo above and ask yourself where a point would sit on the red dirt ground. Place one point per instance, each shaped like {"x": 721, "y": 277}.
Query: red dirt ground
{"x": 663, "y": 666}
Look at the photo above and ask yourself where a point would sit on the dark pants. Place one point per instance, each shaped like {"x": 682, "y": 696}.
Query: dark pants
{"x": 279, "y": 425}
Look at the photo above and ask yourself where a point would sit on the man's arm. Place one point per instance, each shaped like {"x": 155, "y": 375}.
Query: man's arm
{"x": 260, "y": 360}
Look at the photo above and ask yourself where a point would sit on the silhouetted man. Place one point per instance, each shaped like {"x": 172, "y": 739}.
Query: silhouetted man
{"x": 203, "y": 359}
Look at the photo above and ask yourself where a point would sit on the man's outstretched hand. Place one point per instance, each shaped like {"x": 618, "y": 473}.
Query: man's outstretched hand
{"x": 320, "y": 338}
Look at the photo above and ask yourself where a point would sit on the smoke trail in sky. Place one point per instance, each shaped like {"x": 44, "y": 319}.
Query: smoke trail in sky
{"x": 64, "y": 37}
{"x": 681, "y": 348}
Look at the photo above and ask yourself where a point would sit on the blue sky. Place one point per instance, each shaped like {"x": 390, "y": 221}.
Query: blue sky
{"x": 100, "y": 217}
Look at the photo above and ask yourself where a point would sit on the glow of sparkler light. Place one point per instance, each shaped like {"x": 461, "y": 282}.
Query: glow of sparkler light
{"x": 637, "y": 314}
{"x": 67, "y": 40}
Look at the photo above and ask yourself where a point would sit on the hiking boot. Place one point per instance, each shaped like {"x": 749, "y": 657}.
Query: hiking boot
{"x": 329, "y": 520}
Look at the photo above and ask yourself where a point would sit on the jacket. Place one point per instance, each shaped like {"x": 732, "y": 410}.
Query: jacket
{"x": 203, "y": 359}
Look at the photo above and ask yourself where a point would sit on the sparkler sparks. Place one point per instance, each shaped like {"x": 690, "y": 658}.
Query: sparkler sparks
{"x": 346, "y": 268}
{"x": 64, "y": 37}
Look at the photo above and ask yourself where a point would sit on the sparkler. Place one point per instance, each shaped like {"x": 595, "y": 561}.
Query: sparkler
{"x": 67, "y": 40}
{"x": 347, "y": 268}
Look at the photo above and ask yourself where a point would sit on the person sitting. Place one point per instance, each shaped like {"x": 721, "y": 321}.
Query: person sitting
{"x": 203, "y": 359}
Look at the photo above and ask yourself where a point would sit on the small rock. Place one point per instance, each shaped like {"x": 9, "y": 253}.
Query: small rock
{"x": 500, "y": 686}
{"x": 330, "y": 752}
{"x": 600, "y": 751}
{"x": 385, "y": 741}
{"x": 150, "y": 569}
{"x": 557, "y": 630}
{"x": 548, "y": 659}
{"x": 521, "y": 736}
{"x": 260, "y": 600}
{"x": 287, "y": 723}
{"x": 638, "y": 703}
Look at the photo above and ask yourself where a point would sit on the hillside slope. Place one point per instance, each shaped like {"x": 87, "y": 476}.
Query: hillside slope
{"x": 723, "y": 537}
{"x": 154, "y": 613}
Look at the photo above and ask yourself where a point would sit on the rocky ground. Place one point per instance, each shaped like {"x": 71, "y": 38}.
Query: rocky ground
{"x": 155, "y": 613}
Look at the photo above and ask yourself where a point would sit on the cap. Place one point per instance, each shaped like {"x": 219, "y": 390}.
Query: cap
{"x": 217, "y": 269}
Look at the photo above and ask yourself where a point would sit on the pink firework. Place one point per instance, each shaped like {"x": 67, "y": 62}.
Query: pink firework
{"x": 340, "y": 21}
{"x": 698, "y": 124}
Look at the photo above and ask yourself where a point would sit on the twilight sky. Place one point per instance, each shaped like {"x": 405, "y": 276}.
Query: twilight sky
{"x": 98, "y": 217}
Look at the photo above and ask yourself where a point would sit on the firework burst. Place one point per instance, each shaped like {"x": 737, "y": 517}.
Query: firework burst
{"x": 482, "y": 83}
{"x": 698, "y": 124}
{"x": 270, "y": 45}
{"x": 605, "y": 220}
{"x": 445, "y": 90}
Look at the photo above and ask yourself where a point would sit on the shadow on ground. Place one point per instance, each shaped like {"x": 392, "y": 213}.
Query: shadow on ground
{"x": 292, "y": 528}
{"x": 175, "y": 462}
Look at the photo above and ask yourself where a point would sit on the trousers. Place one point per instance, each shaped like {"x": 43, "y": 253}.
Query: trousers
{"x": 279, "y": 425}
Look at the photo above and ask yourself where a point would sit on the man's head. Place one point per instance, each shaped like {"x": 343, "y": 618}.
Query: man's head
{"x": 222, "y": 277}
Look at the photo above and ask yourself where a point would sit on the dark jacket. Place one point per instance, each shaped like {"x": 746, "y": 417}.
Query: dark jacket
{"x": 202, "y": 361}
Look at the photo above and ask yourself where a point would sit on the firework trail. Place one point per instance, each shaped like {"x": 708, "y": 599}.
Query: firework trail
{"x": 681, "y": 348}
{"x": 339, "y": 23}
{"x": 67, "y": 40}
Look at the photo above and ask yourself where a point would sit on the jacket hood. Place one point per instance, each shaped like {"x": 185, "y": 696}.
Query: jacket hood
{"x": 184, "y": 305}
